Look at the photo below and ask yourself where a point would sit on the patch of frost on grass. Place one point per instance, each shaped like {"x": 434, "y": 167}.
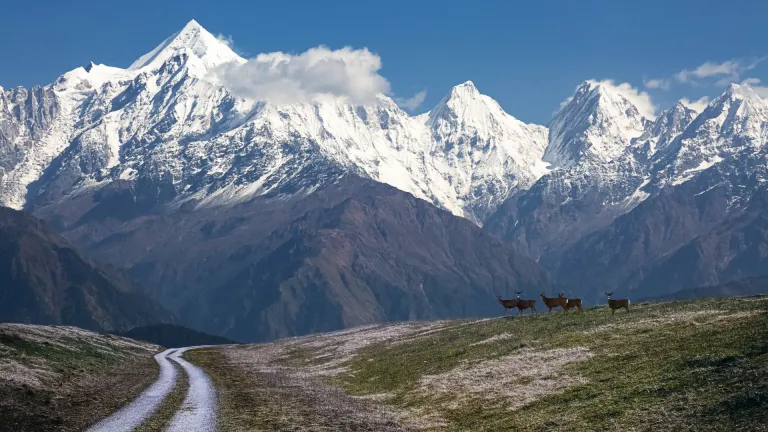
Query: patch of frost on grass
{"x": 521, "y": 378}
{"x": 673, "y": 318}
{"x": 334, "y": 349}
{"x": 16, "y": 373}
{"x": 492, "y": 339}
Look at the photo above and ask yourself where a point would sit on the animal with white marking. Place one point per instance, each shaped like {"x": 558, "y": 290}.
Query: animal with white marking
{"x": 553, "y": 302}
{"x": 572, "y": 303}
{"x": 617, "y": 304}
{"x": 525, "y": 304}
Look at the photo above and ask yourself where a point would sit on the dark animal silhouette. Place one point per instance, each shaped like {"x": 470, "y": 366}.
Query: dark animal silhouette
{"x": 508, "y": 304}
{"x": 617, "y": 304}
{"x": 553, "y": 302}
{"x": 525, "y": 304}
{"x": 572, "y": 303}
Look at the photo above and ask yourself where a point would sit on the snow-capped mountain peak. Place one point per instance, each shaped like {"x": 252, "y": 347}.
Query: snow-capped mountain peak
{"x": 466, "y": 111}
{"x": 661, "y": 132}
{"x": 597, "y": 123}
{"x": 464, "y": 90}
{"x": 482, "y": 149}
{"x": 734, "y": 122}
{"x": 160, "y": 125}
{"x": 673, "y": 121}
{"x": 739, "y": 91}
{"x": 741, "y": 110}
{"x": 195, "y": 40}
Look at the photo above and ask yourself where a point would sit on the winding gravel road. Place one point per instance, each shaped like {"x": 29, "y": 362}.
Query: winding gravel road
{"x": 131, "y": 415}
{"x": 198, "y": 413}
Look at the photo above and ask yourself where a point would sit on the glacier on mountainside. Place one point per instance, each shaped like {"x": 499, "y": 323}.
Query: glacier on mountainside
{"x": 166, "y": 122}
{"x": 164, "y": 119}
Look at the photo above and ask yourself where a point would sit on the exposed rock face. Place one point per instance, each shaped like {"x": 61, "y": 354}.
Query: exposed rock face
{"x": 741, "y": 287}
{"x": 161, "y": 169}
{"x": 44, "y": 280}
{"x": 646, "y": 221}
{"x": 167, "y": 122}
{"x": 354, "y": 252}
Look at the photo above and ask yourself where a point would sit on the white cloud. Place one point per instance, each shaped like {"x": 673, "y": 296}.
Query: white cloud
{"x": 761, "y": 91}
{"x": 754, "y": 84}
{"x": 698, "y": 105}
{"x": 318, "y": 73}
{"x": 708, "y": 69}
{"x": 660, "y": 83}
{"x": 638, "y": 98}
{"x": 725, "y": 73}
{"x": 413, "y": 102}
{"x": 226, "y": 40}
{"x": 751, "y": 81}
{"x": 565, "y": 102}
{"x": 707, "y": 73}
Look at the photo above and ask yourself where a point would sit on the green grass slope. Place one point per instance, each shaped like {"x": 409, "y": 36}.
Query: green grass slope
{"x": 57, "y": 378}
{"x": 688, "y": 365}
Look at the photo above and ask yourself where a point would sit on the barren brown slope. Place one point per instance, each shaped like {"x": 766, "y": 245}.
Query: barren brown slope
{"x": 350, "y": 253}
{"x": 378, "y": 256}
{"x": 702, "y": 232}
{"x": 45, "y": 280}
{"x": 735, "y": 249}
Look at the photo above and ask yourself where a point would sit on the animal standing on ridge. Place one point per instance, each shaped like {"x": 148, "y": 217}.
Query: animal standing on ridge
{"x": 525, "y": 304}
{"x": 508, "y": 304}
{"x": 553, "y": 302}
{"x": 572, "y": 303}
{"x": 617, "y": 304}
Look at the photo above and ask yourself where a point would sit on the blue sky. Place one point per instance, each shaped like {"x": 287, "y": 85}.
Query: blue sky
{"x": 527, "y": 55}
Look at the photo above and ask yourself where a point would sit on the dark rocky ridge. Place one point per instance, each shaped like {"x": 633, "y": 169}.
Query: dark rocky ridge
{"x": 683, "y": 205}
{"x": 740, "y": 288}
{"x": 45, "y": 280}
{"x": 173, "y": 336}
{"x": 354, "y": 252}
{"x": 707, "y": 231}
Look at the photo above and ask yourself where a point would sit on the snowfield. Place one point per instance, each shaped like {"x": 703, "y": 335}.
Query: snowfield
{"x": 168, "y": 121}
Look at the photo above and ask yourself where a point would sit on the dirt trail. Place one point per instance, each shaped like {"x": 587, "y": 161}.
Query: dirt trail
{"x": 131, "y": 415}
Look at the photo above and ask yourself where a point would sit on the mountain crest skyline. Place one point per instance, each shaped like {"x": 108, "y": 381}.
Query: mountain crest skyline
{"x": 288, "y": 177}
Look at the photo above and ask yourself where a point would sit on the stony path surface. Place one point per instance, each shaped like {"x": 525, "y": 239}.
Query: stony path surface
{"x": 131, "y": 415}
{"x": 198, "y": 412}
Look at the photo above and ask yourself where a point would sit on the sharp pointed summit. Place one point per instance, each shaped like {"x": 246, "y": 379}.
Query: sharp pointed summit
{"x": 465, "y": 87}
{"x": 193, "y": 39}
{"x": 596, "y": 123}
{"x": 668, "y": 125}
{"x": 465, "y": 102}
{"x": 673, "y": 120}
{"x": 473, "y": 132}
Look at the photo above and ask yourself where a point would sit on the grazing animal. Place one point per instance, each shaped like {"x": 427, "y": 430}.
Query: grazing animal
{"x": 617, "y": 304}
{"x": 553, "y": 302}
{"x": 508, "y": 304}
{"x": 525, "y": 304}
{"x": 572, "y": 303}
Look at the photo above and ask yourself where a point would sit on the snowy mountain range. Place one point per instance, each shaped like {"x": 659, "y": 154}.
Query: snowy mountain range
{"x": 165, "y": 118}
{"x": 169, "y": 132}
